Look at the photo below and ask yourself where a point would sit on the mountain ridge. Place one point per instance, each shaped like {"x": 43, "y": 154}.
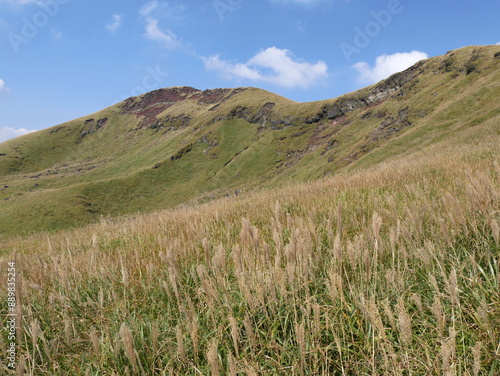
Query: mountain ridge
{"x": 174, "y": 145}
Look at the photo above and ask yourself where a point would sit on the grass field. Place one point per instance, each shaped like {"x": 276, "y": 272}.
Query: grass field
{"x": 360, "y": 244}
{"x": 388, "y": 270}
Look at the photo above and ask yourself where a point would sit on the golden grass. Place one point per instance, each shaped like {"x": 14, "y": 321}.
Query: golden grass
{"x": 392, "y": 270}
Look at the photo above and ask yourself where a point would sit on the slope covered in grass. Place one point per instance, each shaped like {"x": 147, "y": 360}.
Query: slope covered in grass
{"x": 388, "y": 270}
{"x": 179, "y": 145}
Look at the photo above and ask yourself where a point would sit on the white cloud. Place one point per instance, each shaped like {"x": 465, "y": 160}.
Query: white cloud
{"x": 167, "y": 38}
{"x": 165, "y": 12}
{"x": 7, "y": 133}
{"x": 272, "y": 65}
{"x": 115, "y": 23}
{"x": 385, "y": 65}
{"x": 3, "y": 88}
{"x": 148, "y": 8}
{"x": 498, "y": 43}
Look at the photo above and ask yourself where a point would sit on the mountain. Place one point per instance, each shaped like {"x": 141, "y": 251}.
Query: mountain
{"x": 182, "y": 145}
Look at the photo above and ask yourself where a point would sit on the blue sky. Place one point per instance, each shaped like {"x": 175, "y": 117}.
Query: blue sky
{"x": 62, "y": 59}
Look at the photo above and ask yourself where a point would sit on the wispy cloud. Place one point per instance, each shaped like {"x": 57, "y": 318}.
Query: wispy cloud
{"x": 7, "y": 133}
{"x": 148, "y": 8}
{"x": 166, "y": 37}
{"x": 115, "y": 23}
{"x": 273, "y": 65}
{"x": 151, "y": 11}
{"x": 498, "y": 43}
{"x": 385, "y": 65}
{"x": 3, "y": 88}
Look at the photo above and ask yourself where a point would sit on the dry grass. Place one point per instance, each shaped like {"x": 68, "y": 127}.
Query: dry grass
{"x": 388, "y": 271}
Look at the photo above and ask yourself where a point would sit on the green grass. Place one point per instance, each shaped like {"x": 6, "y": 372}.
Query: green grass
{"x": 390, "y": 270}
{"x": 72, "y": 180}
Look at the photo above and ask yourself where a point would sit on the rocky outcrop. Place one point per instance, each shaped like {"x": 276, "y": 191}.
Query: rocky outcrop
{"x": 263, "y": 116}
{"x": 181, "y": 152}
{"x": 471, "y": 65}
{"x": 92, "y": 126}
{"x": 387, "y": 129}
{"x": 171, "y": 123}
{"x": 391, "y": 125}
{"x": 379, "y": 93}
{"x": 259, "y": 117}
{"x": 395, "y": 82}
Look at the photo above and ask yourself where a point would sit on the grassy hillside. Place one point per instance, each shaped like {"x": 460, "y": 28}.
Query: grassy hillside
{"x": 392, "y": 269}
{"x": 181, "y": 145}
{"x": 353, "y": 236}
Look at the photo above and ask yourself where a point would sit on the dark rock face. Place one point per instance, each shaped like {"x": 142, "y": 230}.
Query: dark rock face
{"x": 388, "y": 128}
{"x": 448, "y": 64}
{"x": 471, "y": 65}
{"x": 182, "y": 152}
{"x": 394, "y": 83}
{"x": 329, "y": 146}
{"x": 251, "y": 116}
{"x": 171, "y": 122}
{"x": 264, "y": 116}
{"x": 101, "y": 123}
{"x": 91, "y": 126}
{"x": 339, "y": 109}
{"x": 391, "y": 125}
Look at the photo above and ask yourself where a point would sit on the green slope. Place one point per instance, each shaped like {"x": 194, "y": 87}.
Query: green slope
{"x": 176, "y": 145}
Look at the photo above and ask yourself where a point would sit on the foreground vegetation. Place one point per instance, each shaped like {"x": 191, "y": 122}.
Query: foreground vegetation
{"x": 392, "y": 270}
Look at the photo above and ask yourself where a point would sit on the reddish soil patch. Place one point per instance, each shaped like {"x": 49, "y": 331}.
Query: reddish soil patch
{"x": 151, "y": 104}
